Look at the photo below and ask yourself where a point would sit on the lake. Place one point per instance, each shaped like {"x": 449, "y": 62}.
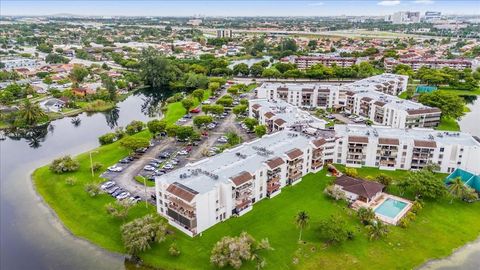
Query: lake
{"x": 30, "y": 235}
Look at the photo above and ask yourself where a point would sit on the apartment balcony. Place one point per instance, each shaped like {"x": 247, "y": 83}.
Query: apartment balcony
{"x": 272, "y": 187}
{"x": 242, "y": 204}
{"x": 184, "y": 219}
{"x": 294, "y": 176}
{"x": 273, "y": 178}
{"x": 317, "y": 164}
{"x": 295, "y": 162}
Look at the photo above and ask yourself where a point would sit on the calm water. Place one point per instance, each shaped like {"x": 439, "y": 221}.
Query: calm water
{"x": 467, "y": 257}
{"x": 30, "y": 236}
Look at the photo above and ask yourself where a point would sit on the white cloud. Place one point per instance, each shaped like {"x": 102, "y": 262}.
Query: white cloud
{"x": 389, "y": 3}
{"x": 424, "y": 2}
{"x": 316, "y": 4}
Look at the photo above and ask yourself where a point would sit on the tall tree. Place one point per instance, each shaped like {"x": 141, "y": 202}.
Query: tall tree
{"x": 156, "y": 70}
{"x": 377, "y": 230}
{"x": 451, "y": 105}
{"x": 30, "y": 113}
{"x": 301, "y": 220}
{"x": 457, "y": 189}
{"x": 140, "y": 233}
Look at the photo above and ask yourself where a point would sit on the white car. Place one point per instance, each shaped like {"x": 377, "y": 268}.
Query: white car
{"x": 107, "y": 185}
{"x": 115, "y": 168}
{"x": 168, "y": 166}
{"x": 149, "y": 168}
{"x": 182, "y": 120}
{"x": 206, "y": 102}
{"x": 123, "y": 195}
{"x": 182, "y": 153}
{"x": 222, "y": 139}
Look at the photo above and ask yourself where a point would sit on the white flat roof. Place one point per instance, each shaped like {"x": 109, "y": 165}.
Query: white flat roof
{"x": 233, "y": 161}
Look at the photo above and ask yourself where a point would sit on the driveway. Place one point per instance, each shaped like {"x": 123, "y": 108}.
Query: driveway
{"x": 343, "y": 119}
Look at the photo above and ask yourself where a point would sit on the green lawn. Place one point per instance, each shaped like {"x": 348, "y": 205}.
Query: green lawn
{"x": 448, "y": 124}
{"x": 474, "y": 92}
{"x": 439, "y": 228}
{"x": 175, "y": 110}
{"x": 140, "y": 179}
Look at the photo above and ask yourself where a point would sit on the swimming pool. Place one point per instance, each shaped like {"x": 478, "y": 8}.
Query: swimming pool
{"x": 390, "y": 208}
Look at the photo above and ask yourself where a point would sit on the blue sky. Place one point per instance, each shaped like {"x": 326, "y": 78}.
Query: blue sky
{"x": 234, "y": 8}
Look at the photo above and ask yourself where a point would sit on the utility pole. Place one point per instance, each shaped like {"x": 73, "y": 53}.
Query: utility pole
{"x": 146, "y": 195}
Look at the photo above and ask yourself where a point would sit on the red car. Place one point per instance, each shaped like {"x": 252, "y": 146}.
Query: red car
{"x": 196, "y": 110}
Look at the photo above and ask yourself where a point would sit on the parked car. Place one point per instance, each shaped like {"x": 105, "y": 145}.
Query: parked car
{"x": 206, "y": 102}
{"x": 182, "y": 120}
{"x": 134, "y": 199}
{"x": 196, "y": 110}
{"x": 125, "y": 161}
{"x": 187, "y": 116}
{"x": 182, "y": 153}
{"x": 164, "y": 155}
{"x": 118, "y": 192}
{"x": 168, "y": 166}
{"x": 211, "y": 126}
{"x": 115, "y": 168}
{"x": 123, "y": 195}
{"x": 222, "y": 139}
{"x": 112, "y": 189}
{"x": 141, "y": 150}
{"x": 149, "y": 168}
{"x": 107, "y": 185}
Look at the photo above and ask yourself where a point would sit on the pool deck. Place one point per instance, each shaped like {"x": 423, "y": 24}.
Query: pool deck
{"x": 378, "y": 201}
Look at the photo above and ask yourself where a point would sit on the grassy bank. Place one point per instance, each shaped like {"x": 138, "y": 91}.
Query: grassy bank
{"x": 448, "y": 124}
{"x": 175, "y": 110}
{"x": 439, "y": 228}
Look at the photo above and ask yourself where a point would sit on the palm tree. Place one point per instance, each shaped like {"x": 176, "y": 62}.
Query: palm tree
{"x": 301, "y": 220}
{"x": 377, "y": 230}
{"x": 457, "y": 189}
{"x": 366, "y": 215}
{"x": 31, "y": 113}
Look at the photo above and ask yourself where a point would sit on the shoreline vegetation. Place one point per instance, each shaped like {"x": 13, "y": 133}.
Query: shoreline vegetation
{"x": 441, "y": 226}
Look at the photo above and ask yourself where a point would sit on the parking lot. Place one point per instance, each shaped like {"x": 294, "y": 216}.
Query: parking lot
{"x": 166, "y": 154}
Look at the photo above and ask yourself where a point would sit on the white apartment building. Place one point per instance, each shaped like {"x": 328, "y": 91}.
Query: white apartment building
{"x": 416, "y": 64}
{"x": 204, "y": 193}
{"x": 393, "y": 148}
{"x": 305, "y": 62}
{"x": 19, "y": 63}
{"x": 404, "y": 17}
{"x": 373, "y": 98}
{"x": 224, "y": 33}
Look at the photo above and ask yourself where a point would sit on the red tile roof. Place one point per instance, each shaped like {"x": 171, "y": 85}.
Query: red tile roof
{"x": 241, "y": 178}
{"x": 358, "y": 139}
{"x": 274, "y": 162}
{"x": 424, "y": 144}
{"x": 182, "y": 191}
{"x": 388, "y": 141}
{"x": 294, "y": 153}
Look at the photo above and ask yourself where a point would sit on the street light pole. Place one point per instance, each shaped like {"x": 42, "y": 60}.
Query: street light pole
{"x": 146, "y": 196}
{"x": 91, "y": 162}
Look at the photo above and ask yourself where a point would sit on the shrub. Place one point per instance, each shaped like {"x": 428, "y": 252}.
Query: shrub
{"x": 107, "y": 138}
{"x": 334, "y": 193}
{"x": 134, "y": 127}
{"x": 352, "y": 172}
{"x": 173, "y": 250}
{"x": 384, "y": 179}
{"x": 92, "y": 189}
{"x": 71, "y": 181}
{"x": 64, "y": 164}
{"x": 97, "y": 166}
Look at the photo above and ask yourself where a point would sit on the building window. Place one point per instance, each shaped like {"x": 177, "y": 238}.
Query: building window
{"x": 440, "y": 156}
{"x": 405, "y": 147}
{"x": 442, "y": 149}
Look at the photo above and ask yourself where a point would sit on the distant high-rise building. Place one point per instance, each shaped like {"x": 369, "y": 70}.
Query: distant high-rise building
{"x": 432, "y": 16}
{"x": 404, "y": 17}
{"x": 224, "y": 33}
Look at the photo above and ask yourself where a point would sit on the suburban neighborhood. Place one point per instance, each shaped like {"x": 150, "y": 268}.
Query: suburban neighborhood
{"x": 240, "y": 135}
